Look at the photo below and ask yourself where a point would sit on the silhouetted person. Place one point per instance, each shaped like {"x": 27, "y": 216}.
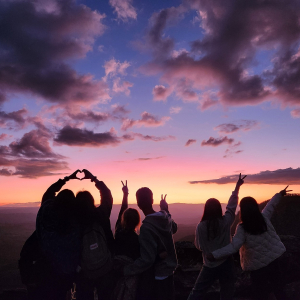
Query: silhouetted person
{"x": 94, "y": 272}
{"x": 59, "y": 239}
{"x": 260, "y": 246}
{"x": 213, "y": 232}
{"x": 126, "y": 237}
{"x": 127, "y": 248}
{"x": 155, "y": 237}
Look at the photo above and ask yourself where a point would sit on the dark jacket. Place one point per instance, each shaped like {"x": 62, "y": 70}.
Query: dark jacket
{"x": 155, "y": 237}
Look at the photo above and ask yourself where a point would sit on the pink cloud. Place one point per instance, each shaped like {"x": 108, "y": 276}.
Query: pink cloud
{"x": 122, "y": 87}
{"x": 124, "y": 9}
{"x": 295, "y": 113}
{"x": 161, "y": 93}
{"x": 147, "y": 120}
{"x": 175, "y": 110}
{"x": 219, "y": 62}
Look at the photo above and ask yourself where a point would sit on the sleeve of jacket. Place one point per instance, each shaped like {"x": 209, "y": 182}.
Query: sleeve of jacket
{"x": 174, "y": 226}
{"x": 270, "y": 207}
{"x": 52, "y": 190}
{"x": 106, "y": 199}
{"x": 231, "y": 208}
{"x": 237, "y": 242}
{"x": 148, "y": 253}
{"x": 197, "y": 238}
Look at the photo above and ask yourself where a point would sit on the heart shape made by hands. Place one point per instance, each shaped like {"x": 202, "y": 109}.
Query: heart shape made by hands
{"x": 80, "y": 175}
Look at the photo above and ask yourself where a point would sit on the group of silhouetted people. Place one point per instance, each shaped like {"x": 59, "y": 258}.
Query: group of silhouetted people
{"x": 74, "y": 245}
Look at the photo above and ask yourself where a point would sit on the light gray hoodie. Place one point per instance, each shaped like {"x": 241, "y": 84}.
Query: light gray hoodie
{"x": 155, "y": 237}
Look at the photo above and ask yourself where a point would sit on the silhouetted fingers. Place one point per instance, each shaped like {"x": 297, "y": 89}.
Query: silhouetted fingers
{"x": 123, "y": 183}
{"x": 286, "y": 187}
{"x": 240, "y": 176}
{"x": 289, "y": 191}
{"x": 244, "y": 177}
{"x": 126, "y": 182}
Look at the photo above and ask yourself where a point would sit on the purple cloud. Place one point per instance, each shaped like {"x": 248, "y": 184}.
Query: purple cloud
{"x": 85, "y": 138}
{"x": 34, "y": 50}
{"x": 147, "y": 120}
{"x": 31, "y": 156}
{"x": 243, "y": 125}
{"x": 234, "y": 33}
{"x": 16, "y": 117}
{"x": 190, "y": 142}
{"x": 215, "y": 142}
{"x": 124, "y": 9}
{"x": 280, "y": 176}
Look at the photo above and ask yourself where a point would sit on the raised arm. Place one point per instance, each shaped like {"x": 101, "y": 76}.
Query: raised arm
{"x": 164, "y": 206}
{"x": 233, "y": 201}
{"x": 55, "y": 187}
{"x": 270, "y": 207}
{"x": 106, "y": 199}
{"x": 124, "y": 205}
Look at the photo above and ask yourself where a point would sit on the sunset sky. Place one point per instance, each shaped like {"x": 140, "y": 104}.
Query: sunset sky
{"x": 179, "y": 96}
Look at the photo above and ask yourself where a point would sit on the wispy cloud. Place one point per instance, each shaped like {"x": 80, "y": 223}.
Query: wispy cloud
{"x": 280, "y": 176}
{"x": 190, "y": 142}
{"x": 244, "y": 125}
{"x": 147, "y": 120}
{"x": 175, "y": 109}
{"x": 124, "y": 9}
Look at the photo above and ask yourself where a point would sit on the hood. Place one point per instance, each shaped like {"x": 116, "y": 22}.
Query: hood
{"x": 160, "y": 221}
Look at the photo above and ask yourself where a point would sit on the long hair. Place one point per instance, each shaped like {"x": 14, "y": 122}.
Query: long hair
{"x": 63, "y": 205}
{"x": 130, "y": 219}
{"x": 86, "y": 212}
{"x": 212, "y": 214}
{"x": 251, "y": 218}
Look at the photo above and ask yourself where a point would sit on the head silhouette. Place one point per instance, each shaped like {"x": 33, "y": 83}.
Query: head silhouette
{"x": 251, "y": 217}
{"x": 144, "y": 198}
{"x": 65, "y": 200}
{"x": 130, "y": 219}
{"x": 85, "y": 207}
{"x": 212, "y": 210}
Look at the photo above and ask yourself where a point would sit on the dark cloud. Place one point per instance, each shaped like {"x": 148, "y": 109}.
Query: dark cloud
{"x": 244, "y": 125}
{"x": 85, "y": 138}
{"x": 147, "y": 120}
{"x": 34, "y": 49}
{"x": 234, "y": 33}
{"x": 215, "y": 142}
{"x": 280, "y": 176}
{"x": 5, "y": 172}
{"x": 190, "y": 142}
{"x": 31, "y": 156}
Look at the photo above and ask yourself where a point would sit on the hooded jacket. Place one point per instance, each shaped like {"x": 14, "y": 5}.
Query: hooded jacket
{"x": 155, "y": 237}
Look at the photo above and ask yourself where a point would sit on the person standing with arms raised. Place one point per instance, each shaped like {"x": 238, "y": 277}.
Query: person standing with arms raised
{"x": 212, "y": 233}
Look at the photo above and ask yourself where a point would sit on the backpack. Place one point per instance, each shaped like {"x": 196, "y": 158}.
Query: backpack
{"x": 95, "y": 256}
{"x": 31, "y": 263}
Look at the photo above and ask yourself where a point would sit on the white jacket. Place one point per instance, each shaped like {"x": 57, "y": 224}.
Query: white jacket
{"x": 224, "y": 237}
{"x": 256, "y": 251}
